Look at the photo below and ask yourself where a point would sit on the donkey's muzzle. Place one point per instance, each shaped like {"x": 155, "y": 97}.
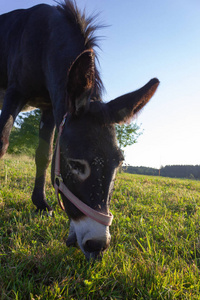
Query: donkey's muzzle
{"x": 94, "y": 248}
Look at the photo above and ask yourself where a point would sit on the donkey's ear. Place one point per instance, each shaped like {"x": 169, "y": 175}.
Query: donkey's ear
{"x": 123, "y": 108}
{"x": 80, "y": 83}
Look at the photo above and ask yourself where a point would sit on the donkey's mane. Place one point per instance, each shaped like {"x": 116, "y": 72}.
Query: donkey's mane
{"x": 88, "y": 27}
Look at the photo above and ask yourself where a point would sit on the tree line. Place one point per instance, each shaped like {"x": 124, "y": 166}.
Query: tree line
{"x": 173, "y": 171}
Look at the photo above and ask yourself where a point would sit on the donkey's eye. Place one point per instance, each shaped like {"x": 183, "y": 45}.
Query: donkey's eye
{"x": 80, "y": 168}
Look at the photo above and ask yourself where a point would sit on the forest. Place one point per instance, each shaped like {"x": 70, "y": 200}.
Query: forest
{"x": 173, "y": 171}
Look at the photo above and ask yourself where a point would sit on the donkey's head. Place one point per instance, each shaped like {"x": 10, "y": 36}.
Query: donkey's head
{"x": 89, "y": 154}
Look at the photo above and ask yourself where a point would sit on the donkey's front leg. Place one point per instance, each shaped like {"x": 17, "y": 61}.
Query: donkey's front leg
{"x": 12, "y": 105}
{"x": 43, "y": 158}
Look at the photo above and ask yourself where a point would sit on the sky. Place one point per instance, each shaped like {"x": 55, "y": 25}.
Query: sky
{"x": 147, "y": 39}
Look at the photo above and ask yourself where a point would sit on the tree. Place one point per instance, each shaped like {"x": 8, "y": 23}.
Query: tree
{"x": 127, "y": 134}
{"x": 24, "y": 135}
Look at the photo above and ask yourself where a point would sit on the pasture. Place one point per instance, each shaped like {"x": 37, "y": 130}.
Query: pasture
{"x": 154, "y": 251}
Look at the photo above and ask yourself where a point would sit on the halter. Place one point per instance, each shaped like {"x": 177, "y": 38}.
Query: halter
{"x": 61, "y": 187}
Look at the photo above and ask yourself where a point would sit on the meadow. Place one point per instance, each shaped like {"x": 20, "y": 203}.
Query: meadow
{"x": 154, "y": 251}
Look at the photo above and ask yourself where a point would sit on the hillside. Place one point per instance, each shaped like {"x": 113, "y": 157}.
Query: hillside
{"x": 154, "y": 252}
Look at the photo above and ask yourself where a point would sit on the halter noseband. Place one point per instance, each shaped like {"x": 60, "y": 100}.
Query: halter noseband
{"x": 61, "y": 187}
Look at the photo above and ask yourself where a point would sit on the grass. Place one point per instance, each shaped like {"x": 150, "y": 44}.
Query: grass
{"x": 154, "y": 252}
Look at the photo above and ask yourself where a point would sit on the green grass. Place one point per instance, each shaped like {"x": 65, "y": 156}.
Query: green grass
{"x": 154, "y": 252}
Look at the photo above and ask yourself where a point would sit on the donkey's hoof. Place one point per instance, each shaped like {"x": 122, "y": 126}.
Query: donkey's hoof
{"x": 47, "y": 213}
{"x": 50, "y": 213}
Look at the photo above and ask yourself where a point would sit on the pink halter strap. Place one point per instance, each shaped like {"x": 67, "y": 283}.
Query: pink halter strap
{"x": 61, "y": 187}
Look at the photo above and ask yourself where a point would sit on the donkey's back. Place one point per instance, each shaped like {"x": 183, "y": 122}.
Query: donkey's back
{"x": 14, "y": 27}
{"x": 25, "y": 35}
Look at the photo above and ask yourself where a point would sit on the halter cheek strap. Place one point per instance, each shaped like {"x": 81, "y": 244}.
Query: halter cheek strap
{"x": 61, "y": 187}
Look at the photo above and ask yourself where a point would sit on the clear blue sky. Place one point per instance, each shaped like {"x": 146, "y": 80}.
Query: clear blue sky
{"x": 149, "y": 39}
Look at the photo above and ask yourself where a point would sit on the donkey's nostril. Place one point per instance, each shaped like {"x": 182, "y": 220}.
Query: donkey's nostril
{"x": 94, "y": 246}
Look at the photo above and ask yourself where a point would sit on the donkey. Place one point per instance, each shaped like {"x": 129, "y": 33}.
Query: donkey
{"x": 47, "y": 61}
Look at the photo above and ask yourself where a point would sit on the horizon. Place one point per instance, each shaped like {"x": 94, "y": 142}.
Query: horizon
{"x": 161, "y": 166}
